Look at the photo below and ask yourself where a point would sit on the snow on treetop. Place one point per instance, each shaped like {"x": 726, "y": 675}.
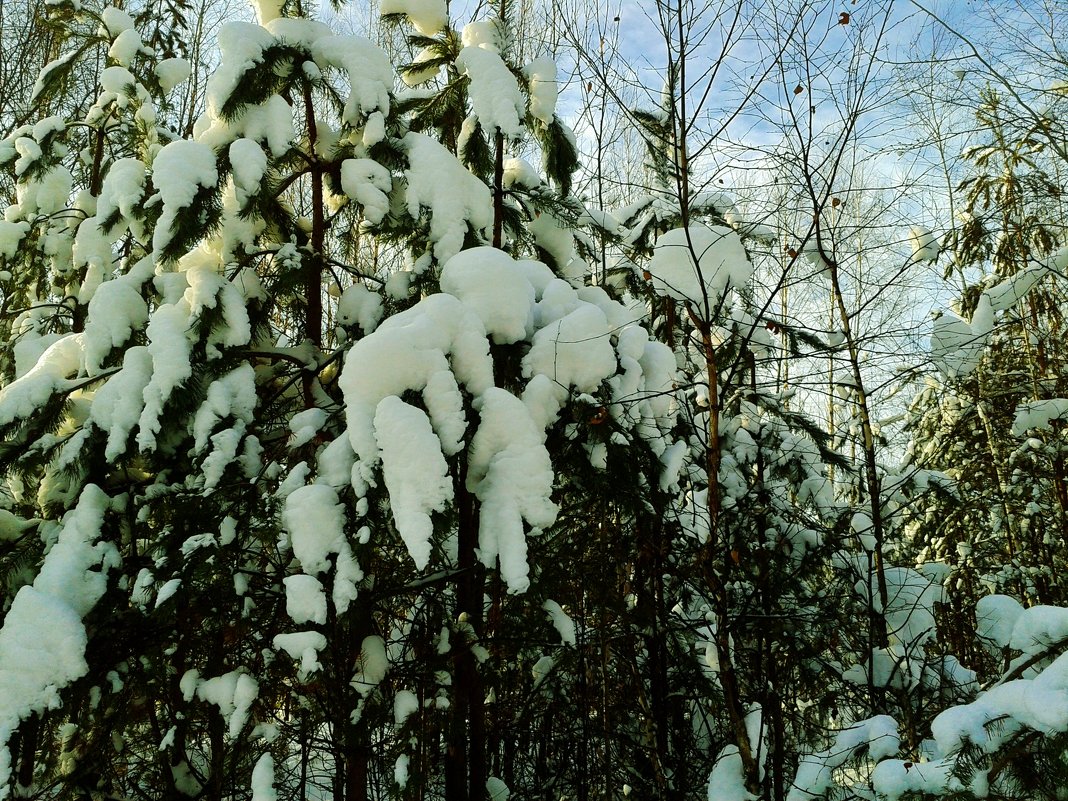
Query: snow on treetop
{"x": 455, "y": 198}
{"x": 721, "y": 263}
{"x": 495, "y": 96}
{"x": 241, "y": 46}
{"x": 541, "y": 81}
{"x": 116, "y": 21}
{"x": 267, "y": 10}
{"x": 442, "y": 344}
{"x": 427, "y": 16}
{"x": 924, "y": 244}
{"x": 485, "y": 33}
{"x": 369, "y": 70}
{"x": 179, "y": 170}
{"x": 486, "y": 280}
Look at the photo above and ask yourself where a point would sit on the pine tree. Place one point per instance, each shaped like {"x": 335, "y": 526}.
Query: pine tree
{"x": 270, "y": 582}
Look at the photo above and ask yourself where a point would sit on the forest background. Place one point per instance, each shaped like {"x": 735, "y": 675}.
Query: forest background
{"x": 537, "y": 399}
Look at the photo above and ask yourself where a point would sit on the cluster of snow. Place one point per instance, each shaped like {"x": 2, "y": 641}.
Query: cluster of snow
{"x": 558, "y": 240}
{"x": 426, "y": 16}
{"x": 815, "y": 773}
{"x": 303, "y": 646}
{"x": 957, "y": 345}
{"x": 699, "y": 263}
{"x": 368, "y": 183}
{"x": 234, "y": 694}
{"x": 171, "y": 72}
{"x": 561, "y": 621}
{"x": 53, "y": 372}
{"x": 43, "y": 639}
{"x": 541, "y": 84}
{"x": 455, "y": 199}
{"x": 368, "y": 69}
{"x": 727, "y": 780}
{"x": 179, "y": 171}
{"x": 924, "y": 244}
{"x": 442, "y": 345}
{"x": 1038, "y": 415}
{"x": 494, "y": 92}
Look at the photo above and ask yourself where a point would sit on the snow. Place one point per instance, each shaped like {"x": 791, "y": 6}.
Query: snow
{"x": 557, "y": 239}
{"x": 542, "y": 668}
{"x": 61, "y": 361}
{"x": 360, "y": 306}
{"x": 485, "y": 33}
{"x": 270, "y": 122}
{"x": 417, "y": 77}
{"x": 234, "y": 694}
{"x": 263, "y": 779}
{"x": 302, "y": 645}
{"x": 232, "y": 395}
{"x": 241, "y": 46}
{"x": 167, "y": 591}
{"x": 346, "y": 576}
{"x": 518, "y": 172}
{"x": 415, "y": 473}
{"x": 924, "y": 244}
{"x": 893, "y": 778}
{"x": 47, "y": 194}
{"x": 58, "y": 63}
{"x": 727, "y": 780}
{"x": 125, "y": 47}
{"x": 267, "y": 10}
{"x": 11, "y": 235}
{"x": 454, "y": 198}
{"x": 402, "y": 354}
{"x": 511, "y": 473}
{"x": 116, "y": 21}
{"x": 489, "y": 282}
{"x": 721, "y": 263}
{"x": 1038, "y": 415}
{"x": 995, "y": 618}
{"x": 115, "y": 80}
{"x": 116, "y": 311}
{"x": 171, "y": 351}
{"x": 405, "y": 704}
{"x": 118, "y": 404}
{"x": 179, "y": 171}
{"x": 305, "y": 425}
{"x": 541, "y": 83}
{"x": 249, "y": 164}
{"x": 314, "y": 519}
{"x": 171, "y": 72}
{"x": 956, "y": 348}
{"x": 372, "y": 666}
{"x": 497, "y": 790}
{"x": 368, "y": 183}
{"x": 426, "y": 16}
{"x": 305, "y": 599}
{"x": 575, "y": 351}
{"x": 1039, "y": 628}
{"x": 369, "y": 70}
{"x": 911, "y": 600}
{"x": 879, "y": 735}
{"x": 1010, "y": 291}
{"x": 494, "y": 92}
{"x": 563, "y": 624}
{"x": 43, "y": 640}
{"x": 122, "y": 191}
